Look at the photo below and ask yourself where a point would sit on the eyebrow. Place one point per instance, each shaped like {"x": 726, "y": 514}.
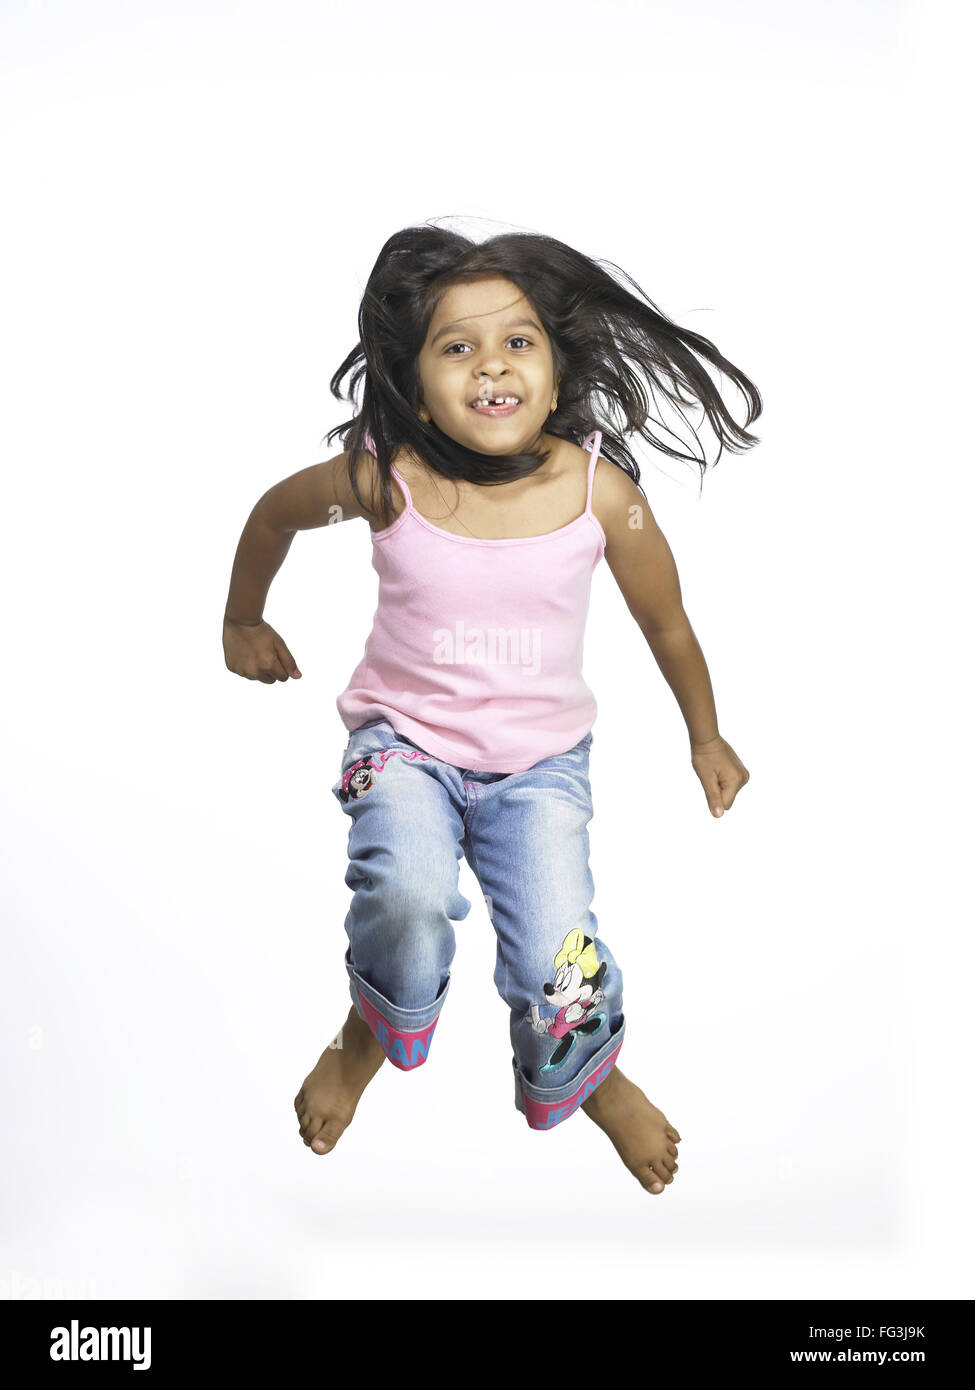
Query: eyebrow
{"x": 511, "y": 323}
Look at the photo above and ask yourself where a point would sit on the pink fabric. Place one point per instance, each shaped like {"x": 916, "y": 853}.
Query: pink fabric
{"x": 404, "y": 1050}
{"x": 558, "y": 1027}
{"x": 476, "y": 648}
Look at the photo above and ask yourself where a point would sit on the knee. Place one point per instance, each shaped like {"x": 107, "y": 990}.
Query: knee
{"x": 405, "y": 906}
{"x": 402, "y": 935}
{"x": 408, "y": 909}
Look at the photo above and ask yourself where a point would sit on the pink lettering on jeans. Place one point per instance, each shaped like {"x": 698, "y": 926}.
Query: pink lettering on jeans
{"x": 361, "y": 775}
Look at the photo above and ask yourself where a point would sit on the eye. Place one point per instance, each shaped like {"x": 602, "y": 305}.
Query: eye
{"x": 449, "y": 351}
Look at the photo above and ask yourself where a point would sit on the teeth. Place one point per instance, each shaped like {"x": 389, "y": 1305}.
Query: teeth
{"x": 501, "y": 400}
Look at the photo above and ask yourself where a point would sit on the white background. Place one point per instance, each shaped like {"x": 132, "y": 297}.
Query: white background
{"x": 194, "y": 196}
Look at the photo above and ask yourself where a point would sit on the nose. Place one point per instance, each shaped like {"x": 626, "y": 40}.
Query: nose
{"x": 493, "y": 360}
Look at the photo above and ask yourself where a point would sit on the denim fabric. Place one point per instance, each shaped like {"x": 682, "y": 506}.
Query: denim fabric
{"x": 525, "y": 836}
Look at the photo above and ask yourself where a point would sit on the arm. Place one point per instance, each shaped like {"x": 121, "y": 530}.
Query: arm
{"x": 317, "y": 496}
{"x": 643, "y": 566}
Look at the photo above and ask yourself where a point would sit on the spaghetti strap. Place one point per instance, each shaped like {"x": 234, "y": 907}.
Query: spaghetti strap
{"x": 405, "y": 490}
{"x": 370, "y": 444}
{"x": 597, "y": 437}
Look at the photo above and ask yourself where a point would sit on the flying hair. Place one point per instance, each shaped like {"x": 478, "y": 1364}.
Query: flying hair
{"x": 614, "y": 355}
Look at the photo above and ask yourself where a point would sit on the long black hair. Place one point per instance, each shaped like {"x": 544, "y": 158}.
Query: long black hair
{"x": 608, "y": 347}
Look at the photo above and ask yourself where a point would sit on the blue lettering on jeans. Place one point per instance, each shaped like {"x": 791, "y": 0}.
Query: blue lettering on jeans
{"x": 419, "y": 1054}
{"x": 396, "y": 1047}
{"x": 556, "y": 1116}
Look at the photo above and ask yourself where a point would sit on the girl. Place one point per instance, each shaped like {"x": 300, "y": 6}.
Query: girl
{"x": 482, "y": 367}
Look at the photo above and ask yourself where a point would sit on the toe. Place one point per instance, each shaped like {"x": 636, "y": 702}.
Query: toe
{"x": 326, "y": 1137}
{"x": 310, "y": 1127}
{"x": 656, "y": 1176}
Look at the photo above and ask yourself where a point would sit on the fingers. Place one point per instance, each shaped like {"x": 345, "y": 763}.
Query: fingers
{"x": 713, "y": 792}
{"x": 721, "y": 790}
{"x": 282, "y": 667}
{"x": 257, "y": 652}
{"x": 729, "y": 792}
{"x": 721, "y": 772}
{"x": 286, "y": 661}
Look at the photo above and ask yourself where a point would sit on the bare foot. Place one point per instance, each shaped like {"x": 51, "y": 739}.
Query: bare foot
{"x": 643, "y": 1136}
{"x": 331, "y": 1090}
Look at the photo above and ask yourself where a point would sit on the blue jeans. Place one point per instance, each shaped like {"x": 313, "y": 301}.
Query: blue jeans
{"x": 524, "y": 835}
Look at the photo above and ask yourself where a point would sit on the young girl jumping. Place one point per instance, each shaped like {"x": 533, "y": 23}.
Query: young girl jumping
{"x": 499, "y": 383}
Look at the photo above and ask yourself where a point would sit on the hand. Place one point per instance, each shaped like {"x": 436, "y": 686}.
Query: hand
{"x": 255, "y": 650}
{"x": 721, "y": 771}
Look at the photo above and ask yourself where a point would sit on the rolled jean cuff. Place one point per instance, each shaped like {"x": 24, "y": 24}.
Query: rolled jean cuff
{"x": 403, "y": 1034}
{"x": 544, "y": 1107}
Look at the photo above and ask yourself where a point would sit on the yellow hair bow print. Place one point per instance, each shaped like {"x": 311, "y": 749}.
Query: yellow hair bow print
{"x": 574, "y": 949}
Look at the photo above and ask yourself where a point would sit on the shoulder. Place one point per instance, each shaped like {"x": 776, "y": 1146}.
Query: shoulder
{"x": 316, "y": 496}
{"x": 616, "y": 499}
{"x": 364, "y": 500}
{"x": 633, "y": 537}
{"x": 366, "y": 481}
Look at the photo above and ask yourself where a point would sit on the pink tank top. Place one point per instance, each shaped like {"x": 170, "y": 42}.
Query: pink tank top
{"x": 476, "y": 647}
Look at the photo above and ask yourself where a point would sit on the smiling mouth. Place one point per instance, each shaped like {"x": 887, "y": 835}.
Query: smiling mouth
{"x": 497, "y": 405}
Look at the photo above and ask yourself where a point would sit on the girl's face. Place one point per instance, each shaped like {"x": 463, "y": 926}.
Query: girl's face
{"x": 485, "y": 338}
